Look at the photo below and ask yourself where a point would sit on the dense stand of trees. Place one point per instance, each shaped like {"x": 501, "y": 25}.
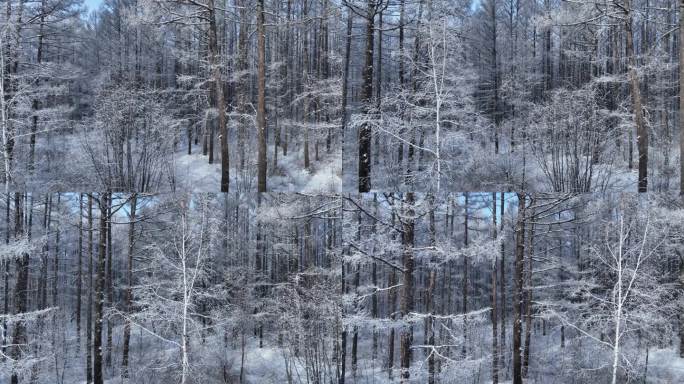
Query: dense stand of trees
{"x": 127, "y": 94}
{"x": 180, "y": 123}
{"x": 404, "y": 287}
{"x": 312, "y": 94}
{"x": 510, "y": 94}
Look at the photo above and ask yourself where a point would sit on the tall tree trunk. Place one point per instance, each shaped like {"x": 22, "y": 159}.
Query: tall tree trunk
{"x": 681, "y": 312}
{"x": 109, "y": 278}
{"x": 220, "y": 99}
{"x": 79, "y": 273}
{"x": 391, "y": 281}
{"x": 365, "y": 132}
{"x": 99, "y": 289}
{"x": 55, "y": 262}
{"x": 261, "y": 99}
{"x": 242, "y": 81}
{"x": 430, "y": 329}
{"x": 464, "y": 301}
{"x": 129, "y": 286}
{"x": 89, "y": 314}
{"x": 641, "y": 129}
{"x": 345, "y": 76}
{"x": 305, "y": 80}
{"x": 518, "y": 292}
{"x": 528, "y": 300}
{"x": 495, "y": 346}
{"x": 19, "y": 338}
{"x": 378, "y": 87}
{"x": 407, "y": 283}
{"x": 502, "y": 268}
{"x": 681, "y": 103}
{"x": 39, "y": 60}
{"x": 402, "y": 11}
{"x": 492, "y": 14}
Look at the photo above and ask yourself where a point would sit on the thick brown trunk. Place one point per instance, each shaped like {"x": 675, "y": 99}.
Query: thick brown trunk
{"x": 220, "y": 99}
{"x": 641, "y": 129}
{"x": 261, "y": 99}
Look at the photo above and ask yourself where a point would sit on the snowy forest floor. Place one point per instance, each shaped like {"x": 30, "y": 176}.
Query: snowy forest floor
{"x": 194, "y": 173}
{"x": 154, "y": 360}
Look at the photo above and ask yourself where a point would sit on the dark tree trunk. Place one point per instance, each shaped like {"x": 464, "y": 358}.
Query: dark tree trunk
{"x": 407, "y": 287}
{"x": 495, "y": 337}
{"x": 464, "y": 301}
{"x": 641, "y": 129}
{"x": 528, "y": 299}
{"x": 129, "y": 286}
{"x": 99, "y": 289}
{"x": 79, "y": 273}
{"x": 89, "y": 314}
{"x": 365, "y": 133}
{"x": 20, "y": 290}
{"x": 518, "y": 292}
{"x": 261, "y": 99}
{"x": 220, "y": 99}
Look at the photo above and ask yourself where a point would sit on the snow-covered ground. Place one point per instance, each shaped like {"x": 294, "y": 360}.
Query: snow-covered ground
{"x": 194, "y": 173}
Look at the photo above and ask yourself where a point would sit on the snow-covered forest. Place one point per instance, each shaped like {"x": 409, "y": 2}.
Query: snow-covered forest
{"x": 548, "y": 96}
{"x": 341, "y": 191}
{"x": 292, "y": 288}
{"x": 174, "y": 95}
{"x": 341, "y": 95}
